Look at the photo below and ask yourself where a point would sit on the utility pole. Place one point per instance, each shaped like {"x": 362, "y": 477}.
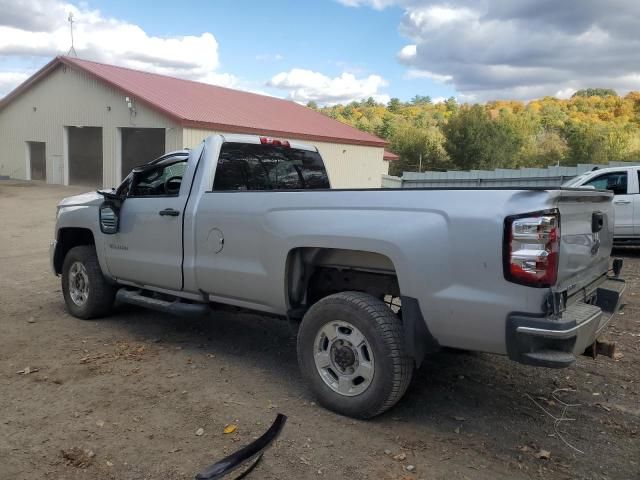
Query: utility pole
{"x": 420, "y": 166}
{"x": 72, "y": 50}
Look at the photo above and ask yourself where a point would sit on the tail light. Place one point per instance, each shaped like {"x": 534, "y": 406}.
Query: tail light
{"x": 275, "y": 142}
{"x": 532, "y": 245}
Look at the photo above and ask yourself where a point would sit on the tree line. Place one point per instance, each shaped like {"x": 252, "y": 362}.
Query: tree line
{"x": 595, "y": 125}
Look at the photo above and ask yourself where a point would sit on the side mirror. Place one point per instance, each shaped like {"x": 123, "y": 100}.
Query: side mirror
{"x": 109, "y": 214}
{"x": 109, "y": 218}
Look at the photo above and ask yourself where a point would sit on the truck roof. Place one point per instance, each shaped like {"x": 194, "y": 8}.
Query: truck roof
{"x": 256, "y": 139}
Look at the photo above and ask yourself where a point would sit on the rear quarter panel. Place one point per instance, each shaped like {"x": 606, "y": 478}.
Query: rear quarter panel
{"x": 446, "y": 246}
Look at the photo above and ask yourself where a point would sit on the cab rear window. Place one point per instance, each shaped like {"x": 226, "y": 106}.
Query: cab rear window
{"x": 243, "y": 166}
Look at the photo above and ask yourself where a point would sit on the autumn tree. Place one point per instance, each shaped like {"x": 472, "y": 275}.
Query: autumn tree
{"x": 594, "y": 126}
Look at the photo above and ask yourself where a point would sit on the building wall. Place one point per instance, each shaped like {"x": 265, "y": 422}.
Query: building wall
{"x": 349, "y": 166}
{"x": 67, "y": 97}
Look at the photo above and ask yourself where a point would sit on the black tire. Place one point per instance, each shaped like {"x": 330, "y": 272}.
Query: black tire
{"x": 383, "y": 332}
{"x": 101, "y": 294}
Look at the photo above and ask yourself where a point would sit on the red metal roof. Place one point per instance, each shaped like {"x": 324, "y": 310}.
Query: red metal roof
{"x": 207, "y": 106}
{"x": 390, "y": 156}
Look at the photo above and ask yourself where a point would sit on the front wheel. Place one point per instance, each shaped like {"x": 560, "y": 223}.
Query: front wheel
{"x": 86, "y": 292}
{"x": 351, "y": 351}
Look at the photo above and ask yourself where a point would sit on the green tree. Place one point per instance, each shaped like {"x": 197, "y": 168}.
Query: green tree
{"x": 586, "y": 143}
{"x": 394, "y": 105}
{"x": 451, "y": 104}
{"x": 512, "y": 133}
{"x": 595, "y": 92}
{"x": 364, "y": 124}
{"x": 468, "y": 138}
{"x": 474, "y": 140}
{"x": 312, "y": 105}
{"x": 421, "y": 100}
{"x": 387, "y": 128}
{"x": 413, "y": 144}
{"x": 547, "y": 147}
{"x": 370, "y": 102}
{"x": 553, "y": 116}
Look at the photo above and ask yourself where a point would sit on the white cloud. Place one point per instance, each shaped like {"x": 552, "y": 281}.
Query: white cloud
{"x": 520, "y": 49}
{"x": 565, "y": 92}
{"x": 432, "y": 17}
{"x": 39, "y": 28}
{"x": 9, "y": 80}
{"x": 413, "y": 73}
{"x": 407, "y": 53}
{"x": 306, "y": 85}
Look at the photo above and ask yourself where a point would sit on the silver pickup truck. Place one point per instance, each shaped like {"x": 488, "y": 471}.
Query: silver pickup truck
{"x": 377, "y": 279}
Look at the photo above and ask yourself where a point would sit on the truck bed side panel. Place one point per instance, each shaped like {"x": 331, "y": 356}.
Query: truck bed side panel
{"x": 446, "y": 247}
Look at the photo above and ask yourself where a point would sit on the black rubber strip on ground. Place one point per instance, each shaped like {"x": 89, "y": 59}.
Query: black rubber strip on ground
{"x": 253, "y": 451}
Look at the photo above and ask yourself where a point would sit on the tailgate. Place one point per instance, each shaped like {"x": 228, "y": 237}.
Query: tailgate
{"x": 586, "y": 232}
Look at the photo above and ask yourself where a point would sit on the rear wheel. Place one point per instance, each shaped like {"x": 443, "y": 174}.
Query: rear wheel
{"x": 351, "y": 351}
{"x": 86, "y": 292}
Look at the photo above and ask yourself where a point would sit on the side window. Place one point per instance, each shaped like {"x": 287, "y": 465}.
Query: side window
{"x": 243, "y": 166}
{"x": 615, "y": 181}
{"x": 161, "y": 181}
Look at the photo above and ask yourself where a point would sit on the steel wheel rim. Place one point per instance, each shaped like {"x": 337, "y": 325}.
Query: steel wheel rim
{"x": 344, "y": 358}
{"x": 78, "y": 284}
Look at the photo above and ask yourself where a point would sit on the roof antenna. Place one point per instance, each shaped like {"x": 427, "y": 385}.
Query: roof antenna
{"x": 72, "y": 50}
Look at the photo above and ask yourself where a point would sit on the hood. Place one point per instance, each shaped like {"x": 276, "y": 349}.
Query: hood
{"x": 84, "y": 199}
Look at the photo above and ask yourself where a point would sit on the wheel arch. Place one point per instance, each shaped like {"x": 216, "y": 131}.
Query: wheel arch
{"x": 69, "y": 237}
{"x": 354, "y": 270}
{"x": 303, "y": 262}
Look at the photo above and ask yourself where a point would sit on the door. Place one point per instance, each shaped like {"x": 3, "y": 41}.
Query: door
{"x": 37, "y": 160}
{"x": 148, "y": 246}
{"x": 623, "y": 200}
{"x": 85, "y": 156}
{"x": 234, "y": 261}
{"x": 140, "y": 145}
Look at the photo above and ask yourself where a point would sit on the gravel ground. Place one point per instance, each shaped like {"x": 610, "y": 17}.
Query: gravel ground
{"x": 125, "y": 397}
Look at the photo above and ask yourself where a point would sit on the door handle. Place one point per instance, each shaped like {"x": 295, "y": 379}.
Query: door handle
{"x": 622, "y": 202}
{"x": 169, "y": 212}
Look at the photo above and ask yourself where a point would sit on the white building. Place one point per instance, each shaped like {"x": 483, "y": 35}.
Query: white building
{"x": 87, "y": 123}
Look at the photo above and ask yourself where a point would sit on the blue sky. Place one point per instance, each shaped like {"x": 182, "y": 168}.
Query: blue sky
{"x": 258, "y": 40}
{"x": 334, "y": 51}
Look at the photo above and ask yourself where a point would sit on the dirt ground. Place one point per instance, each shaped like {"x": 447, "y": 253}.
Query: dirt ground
{"x": 124, "y": 397}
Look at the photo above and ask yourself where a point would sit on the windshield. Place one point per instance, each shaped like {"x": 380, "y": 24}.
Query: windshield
{"x": 576, "y": 181}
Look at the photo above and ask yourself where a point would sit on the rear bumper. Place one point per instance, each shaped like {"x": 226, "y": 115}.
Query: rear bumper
{"x": 554, "y": 343}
